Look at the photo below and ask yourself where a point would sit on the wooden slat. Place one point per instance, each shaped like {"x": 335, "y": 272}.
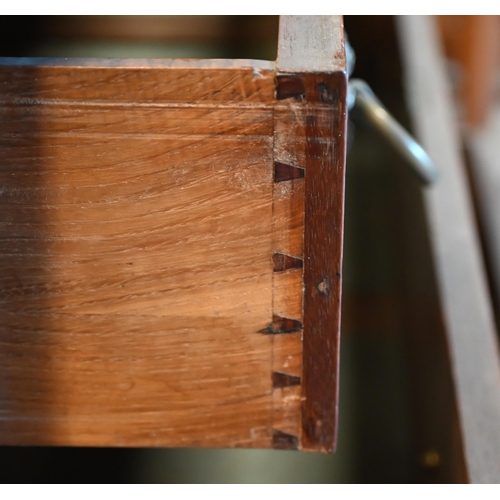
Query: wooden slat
{"x": 323, "y": 244}
{"x": 312, "y": 84}
{"x": 135, "y": 82}
{"x": 256, "y": 65}
{"x": 482, "y": 144}
{"x": 463, "y": 293}
{"x": 438, "y": 448}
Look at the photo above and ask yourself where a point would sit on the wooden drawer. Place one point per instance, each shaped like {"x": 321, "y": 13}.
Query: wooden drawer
{"x": 171, "y": 242}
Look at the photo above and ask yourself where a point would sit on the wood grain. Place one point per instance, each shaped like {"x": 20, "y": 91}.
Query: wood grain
{"x": 141, "y": 302}
{"x": 310, "y": 132}
{"x": 287, "y": 289}
{"x": 326, "y": 126}
{"x": 288, "y": 217}
{"x": 139, "y": 84}
{"x": 136, "y": 249}
{"x": 288, "y": 236}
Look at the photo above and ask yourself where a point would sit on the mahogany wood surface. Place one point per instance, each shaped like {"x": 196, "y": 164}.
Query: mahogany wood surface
{"x": 323, "y": 98}
{"x": 136, "y": 256}
{"x": 142, "y": 302}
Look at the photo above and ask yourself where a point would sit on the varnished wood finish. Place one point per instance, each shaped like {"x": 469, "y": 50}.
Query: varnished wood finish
{"x": 136, "y": 255}
{"x": 288, "y": 217}
{"x": 153, "y": 274}
{"x": 162, "y": 82}
{"x": 310, "y": 133}
{"x": 288, "y": 238}
{"x": 323, "y": 236}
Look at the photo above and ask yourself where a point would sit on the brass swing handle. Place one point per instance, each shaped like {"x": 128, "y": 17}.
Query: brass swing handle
{"x": 362, "y": 96}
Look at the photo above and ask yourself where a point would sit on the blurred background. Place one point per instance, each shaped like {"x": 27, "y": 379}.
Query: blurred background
{"x": 383, "y": 435}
